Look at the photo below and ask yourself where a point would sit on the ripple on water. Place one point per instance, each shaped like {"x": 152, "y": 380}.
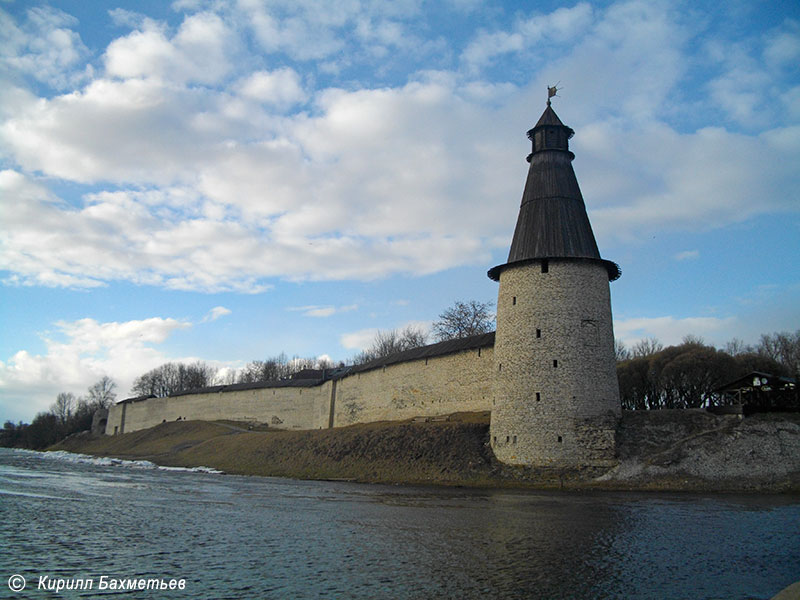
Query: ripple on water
{"x": 236, "y": 537}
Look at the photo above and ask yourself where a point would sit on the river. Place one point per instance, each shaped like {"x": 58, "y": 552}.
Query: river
{"x": 68, "y": 521}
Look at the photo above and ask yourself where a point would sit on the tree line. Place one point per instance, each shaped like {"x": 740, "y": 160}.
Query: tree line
{"x": 66, "y": 416}
{"x": 687, "y": 375}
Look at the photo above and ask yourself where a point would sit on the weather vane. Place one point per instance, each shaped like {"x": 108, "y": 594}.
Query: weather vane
{"x": 552, "y": 91}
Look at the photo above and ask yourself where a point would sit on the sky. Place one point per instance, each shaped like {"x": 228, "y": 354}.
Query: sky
{"x": 228, "y": 180}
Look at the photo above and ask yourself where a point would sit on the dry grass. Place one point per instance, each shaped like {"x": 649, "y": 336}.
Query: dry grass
{"x": 451, "y": 452}
{"x": 443, "y": 452}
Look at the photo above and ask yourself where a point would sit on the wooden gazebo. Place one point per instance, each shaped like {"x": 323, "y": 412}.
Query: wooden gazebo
{"x": 760, "y": 392}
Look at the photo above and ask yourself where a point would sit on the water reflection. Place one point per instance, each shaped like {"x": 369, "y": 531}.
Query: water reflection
{"x": 237, "y": 537}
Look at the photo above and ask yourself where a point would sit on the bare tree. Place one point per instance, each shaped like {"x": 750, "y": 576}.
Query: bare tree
{"x": 693, "y": 340}
{"x": 171, "y": 378}
{"x": 278, "y": 367}
{"x": 324, "y": 363}
{"x": 271, "y": 369}
{"x": 646, "y": 347}
{"x": 391, "y": 342}
{"x": 386, "y": 343}
{"x": 784, "y": 348}
{"x": 736, "y": 347}
{"x": 196, "y": 375}
{"x": 101, "y": 394}
{"x": 620, "y": 351}
{"x": 63, "y": 407}
{"x": 464, "y": 319}
{"x": 413, "y": 337}
{"x": 227, "y": 376}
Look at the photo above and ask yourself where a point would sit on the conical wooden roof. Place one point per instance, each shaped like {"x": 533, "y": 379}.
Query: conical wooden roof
{"x": 549, "y": 117}
{"x": 552, "y": 220}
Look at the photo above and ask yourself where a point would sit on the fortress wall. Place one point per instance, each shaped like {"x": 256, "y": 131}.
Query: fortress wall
{"x": 281, "y": 407}
{"x": 114, "y": 419}
{"x": 425, "y": 387}
{"x": 434, "y": 386}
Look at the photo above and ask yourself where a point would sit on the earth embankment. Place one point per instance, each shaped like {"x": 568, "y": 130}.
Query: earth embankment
{"x": 658, "y": 450}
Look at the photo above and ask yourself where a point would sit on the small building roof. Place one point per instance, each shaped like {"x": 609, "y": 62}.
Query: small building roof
{"x": 757, "y": 380}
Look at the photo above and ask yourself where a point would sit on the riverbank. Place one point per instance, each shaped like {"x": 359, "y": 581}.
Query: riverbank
{"x": 658, "y": 450}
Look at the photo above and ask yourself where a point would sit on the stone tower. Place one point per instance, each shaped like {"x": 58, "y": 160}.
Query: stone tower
{"x": 556, "y": 397}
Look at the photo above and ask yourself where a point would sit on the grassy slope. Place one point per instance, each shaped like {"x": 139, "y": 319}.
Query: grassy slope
{"x": 453, "y": 452}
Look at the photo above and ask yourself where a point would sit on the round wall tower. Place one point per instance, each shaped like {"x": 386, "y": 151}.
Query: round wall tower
{"x": 556, "y": 397}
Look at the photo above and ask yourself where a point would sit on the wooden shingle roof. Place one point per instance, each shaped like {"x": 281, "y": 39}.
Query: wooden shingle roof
{"x": 473, "y": 342}
{"x": 552, "y": 221}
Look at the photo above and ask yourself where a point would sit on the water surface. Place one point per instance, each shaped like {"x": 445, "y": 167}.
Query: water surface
{"x": 247, "y": 537}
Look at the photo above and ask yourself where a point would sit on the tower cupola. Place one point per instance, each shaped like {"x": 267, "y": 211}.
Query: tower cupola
{"x": 550, "y": 134}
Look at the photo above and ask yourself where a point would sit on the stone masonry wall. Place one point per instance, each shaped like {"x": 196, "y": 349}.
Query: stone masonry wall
{"x": 426, "y": 387}
{"x": 114, "y": 419}
{"x": 283, "y": 408}
{"x": 556, "y": 393}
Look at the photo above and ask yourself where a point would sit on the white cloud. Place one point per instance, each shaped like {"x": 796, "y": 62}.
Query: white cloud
{"x": 671, "y": 331}
{"x": 369, "y": 182}
{"x": 364, "y": 219}
{"x": 358, "y": 340}
{"x": 127, "y": 18}
{"x": 323, "y": 311}
{"x": 44, "y": 46}
{"x": 363, "y": 338}
{"x": 752, "y": 74}
{"x": 78, "y": 355}
{"x": 280, "y": 88}
{"x": 324, "y": 358}
{"x": 688, "y": 255}
{"x": 697, "y": 181}
{"x": 136, "y": 130}
{"x": 563, "y": 24}
{"x": 782, "y": 48}
{"x": 198, "y": 52}
{"x": 215, "y": 313}
{"x": 316, "y": 30}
